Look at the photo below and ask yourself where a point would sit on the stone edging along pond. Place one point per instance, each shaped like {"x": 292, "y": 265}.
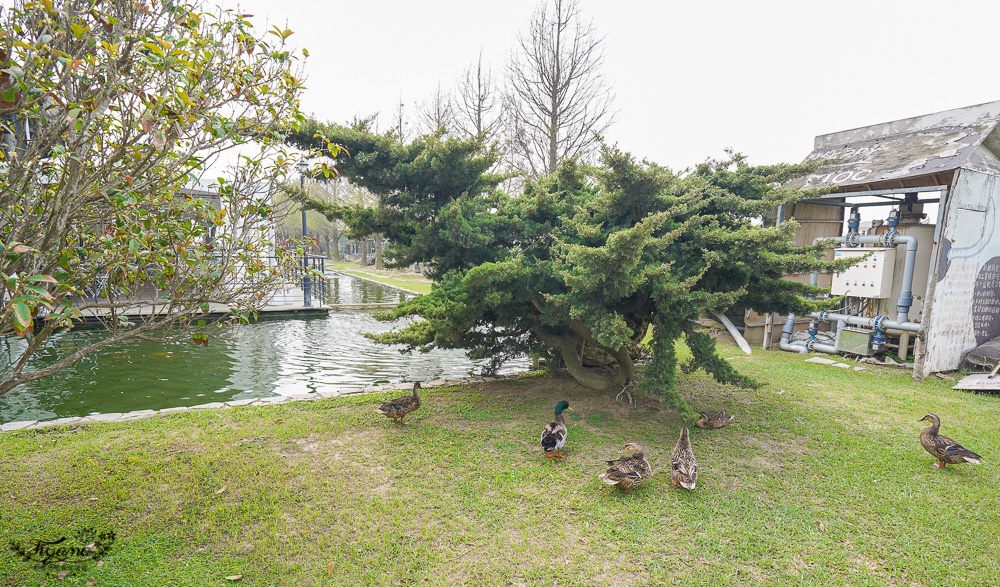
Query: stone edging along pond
{"x": 261, "y": 401}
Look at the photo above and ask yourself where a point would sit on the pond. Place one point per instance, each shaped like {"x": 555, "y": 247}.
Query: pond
{"x": 267, "y": 358}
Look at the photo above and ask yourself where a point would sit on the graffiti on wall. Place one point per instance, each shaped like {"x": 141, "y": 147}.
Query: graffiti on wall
{"x": 986, "y": 302}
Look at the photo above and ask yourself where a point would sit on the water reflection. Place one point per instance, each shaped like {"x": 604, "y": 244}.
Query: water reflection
{"x": 270, "y": 357}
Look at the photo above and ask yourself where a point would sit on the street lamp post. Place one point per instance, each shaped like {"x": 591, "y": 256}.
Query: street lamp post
{"x": 306, "y": 280}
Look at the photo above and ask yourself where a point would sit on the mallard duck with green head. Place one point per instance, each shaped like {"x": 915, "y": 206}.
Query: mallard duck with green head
{"x": 629, "y": 471}
{"x": 683, "y": 469}
{"x": 554, "y": 434}
{"x": 944, "y": 449}
{"x": 716, "y": 419}
{"x": 398, "y": 408}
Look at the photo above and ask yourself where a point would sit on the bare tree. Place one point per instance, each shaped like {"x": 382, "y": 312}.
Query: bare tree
{"x": 558, "y": 96}
{"x": 478, "y": 108}
{"x": 436, "y": 113}
{"x": 400, "y": 122}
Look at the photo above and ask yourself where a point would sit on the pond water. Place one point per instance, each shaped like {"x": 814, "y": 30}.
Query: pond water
{"x": 267, "y": 358}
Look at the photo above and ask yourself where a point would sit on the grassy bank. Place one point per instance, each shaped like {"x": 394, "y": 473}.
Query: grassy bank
{"x": 819, "y": 481}
{"x": 404, "y": 279}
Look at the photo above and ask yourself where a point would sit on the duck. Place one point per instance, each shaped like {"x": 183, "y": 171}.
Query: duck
{"x": 628, "y": 471}
{"x": 716, "y": 419}
{"x": 398, "y": 408}
{"x": 683, "y": 469}
{"x": 944, "y": 449}
{"x": 554, "y": 434}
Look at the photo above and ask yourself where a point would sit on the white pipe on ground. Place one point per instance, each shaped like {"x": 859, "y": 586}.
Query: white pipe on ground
{"x": 740, "y": 341}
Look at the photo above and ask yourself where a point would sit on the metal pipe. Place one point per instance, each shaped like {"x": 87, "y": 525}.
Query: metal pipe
{"x": 890, "y": 240}
{"x": 877, "y": 321}
{"x": 779, "y": 217}
{"x": 786, "y": 333}
{"x": 823, "y": 348}
{"x": 838, "y": 195}
{"x": 799, "y": 346}
{"x": 906, "y": 294}
{"x": 864, "y": 204}
{"x": 306, "y": 281}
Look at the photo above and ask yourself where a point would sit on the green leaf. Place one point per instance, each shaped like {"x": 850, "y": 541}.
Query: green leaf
{"x": 40, "y": 291}
{"x": 22, "y": 315}
{"x": 205, "y": 306}
{"x": 133, "y": 245}
{"x": 78, "y": 31}
{"x": 9, "y": 95}
{"x": 45, "y": 278}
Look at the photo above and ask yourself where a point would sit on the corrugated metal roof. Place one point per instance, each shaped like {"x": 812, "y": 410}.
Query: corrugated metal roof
{"x": 928, "y": 144}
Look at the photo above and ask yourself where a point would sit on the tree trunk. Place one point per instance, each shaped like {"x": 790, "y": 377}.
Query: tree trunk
{"x": 569, "y": 349}
{"x": 364, "y": 252}
{"x": 378, "y": 252}
{"x": 335, "y": 248}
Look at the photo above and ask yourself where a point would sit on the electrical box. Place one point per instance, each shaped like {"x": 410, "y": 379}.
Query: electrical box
{"x": 870, "y": 277}
{"x": 856, "y": 341}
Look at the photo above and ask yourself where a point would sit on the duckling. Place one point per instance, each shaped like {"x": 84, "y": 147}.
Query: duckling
{"x": 713, "y": 419}
{"x": 398, "y": 408}
{"x": 554, "y": 433}
{"x": 629, "y": 471}
{"x": 943, "y": 448}
{"x": 684, "y": 471}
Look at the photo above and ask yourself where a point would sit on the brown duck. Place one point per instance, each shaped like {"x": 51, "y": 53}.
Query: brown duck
{"x": 628, "y": 471}
{"x": 398, "y": 408}
{"x": 716, "y": 419}
{"x": 944, "y": 449}
{"x": 683, "y": 468}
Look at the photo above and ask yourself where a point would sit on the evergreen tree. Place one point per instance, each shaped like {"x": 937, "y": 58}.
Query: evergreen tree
{"x": 585, "y": 260}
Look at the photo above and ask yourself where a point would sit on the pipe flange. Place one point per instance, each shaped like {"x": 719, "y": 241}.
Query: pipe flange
{"x": 853, "y": 240}
{"x": 878, "y": 322}
{"x": 809, "y": 344}
{"x": 822, "y": 316}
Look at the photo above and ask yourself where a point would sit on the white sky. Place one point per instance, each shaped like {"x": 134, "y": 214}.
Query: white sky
{"x": 691, "y": 78}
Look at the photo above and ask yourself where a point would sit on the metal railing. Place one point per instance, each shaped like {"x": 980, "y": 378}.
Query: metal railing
{"x": 303, "y": 272}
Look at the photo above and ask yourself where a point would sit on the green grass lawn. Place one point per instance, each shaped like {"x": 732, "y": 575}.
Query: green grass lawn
{"x": 406, "y": 280}
{"x": 820, "y": 480}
